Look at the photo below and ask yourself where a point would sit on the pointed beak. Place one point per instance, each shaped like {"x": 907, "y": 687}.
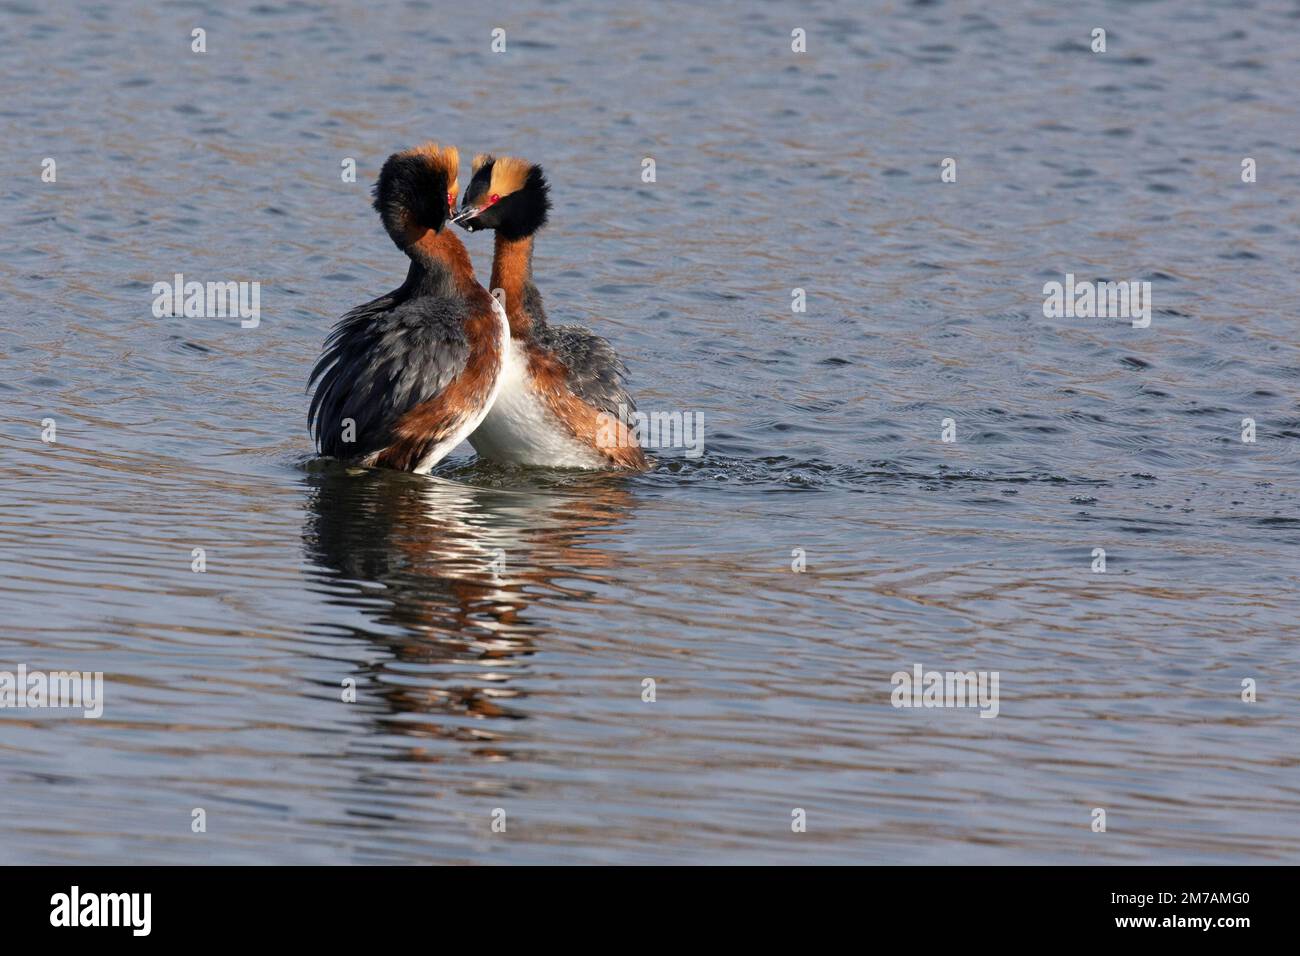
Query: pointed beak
{"x": 467, "y": 213}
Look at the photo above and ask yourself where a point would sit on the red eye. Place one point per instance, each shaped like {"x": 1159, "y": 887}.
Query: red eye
{"x": 493, "y": 198}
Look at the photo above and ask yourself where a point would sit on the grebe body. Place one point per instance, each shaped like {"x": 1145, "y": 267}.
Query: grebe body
{"x": 562, "y": 402}
{"x": 405, "y": 378}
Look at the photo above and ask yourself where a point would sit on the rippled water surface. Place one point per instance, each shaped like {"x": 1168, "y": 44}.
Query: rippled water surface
{"x": 499, "y": 624}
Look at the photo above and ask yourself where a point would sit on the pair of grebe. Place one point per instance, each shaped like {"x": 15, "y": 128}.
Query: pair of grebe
{"x": 405, "y": 378}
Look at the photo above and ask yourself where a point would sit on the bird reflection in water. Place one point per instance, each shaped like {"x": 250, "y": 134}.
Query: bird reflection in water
{"x": 445, "y": 572}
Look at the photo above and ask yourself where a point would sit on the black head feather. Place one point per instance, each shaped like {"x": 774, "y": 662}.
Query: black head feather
{"x": 477, "y": 190}
{"x": 527, "y": 207}
{"x": 516, "y": 215}
{"x": 411, "y": 195}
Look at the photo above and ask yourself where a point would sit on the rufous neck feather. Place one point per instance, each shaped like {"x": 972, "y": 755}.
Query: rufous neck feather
{"x": 512, "y": 271}
{"x": 442, "y": 251}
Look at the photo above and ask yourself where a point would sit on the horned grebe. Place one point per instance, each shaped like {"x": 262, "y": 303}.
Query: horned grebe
{"x": 405, "y": 378}
{"x": 562, "y": 398}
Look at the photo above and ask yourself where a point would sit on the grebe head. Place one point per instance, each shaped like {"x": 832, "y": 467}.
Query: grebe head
{"x": 416, "y": 192}
{"x": 506, "y": 194}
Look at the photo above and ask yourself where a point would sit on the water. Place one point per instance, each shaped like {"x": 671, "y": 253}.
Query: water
{"x": 520, "y": 688}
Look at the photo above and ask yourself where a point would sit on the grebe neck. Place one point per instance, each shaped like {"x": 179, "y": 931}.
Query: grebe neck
{"x": 440, "y": 265}
{"x": 512, "y": 271}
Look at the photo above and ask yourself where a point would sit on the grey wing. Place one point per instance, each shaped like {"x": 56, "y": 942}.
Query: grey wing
{"x": 596, "y": 372}
{"x": 381, "y": 360}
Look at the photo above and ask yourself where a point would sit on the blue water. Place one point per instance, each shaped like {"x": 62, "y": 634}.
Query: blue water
{"x": 498, "y": 625}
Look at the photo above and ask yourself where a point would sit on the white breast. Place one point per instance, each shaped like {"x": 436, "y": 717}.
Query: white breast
{"x": 443, "y": 448}
{"x": 520, "y": 429}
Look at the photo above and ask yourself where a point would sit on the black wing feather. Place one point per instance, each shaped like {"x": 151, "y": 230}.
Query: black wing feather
{"x": 382, "y": 359}
{"x": 596, "y": 373}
